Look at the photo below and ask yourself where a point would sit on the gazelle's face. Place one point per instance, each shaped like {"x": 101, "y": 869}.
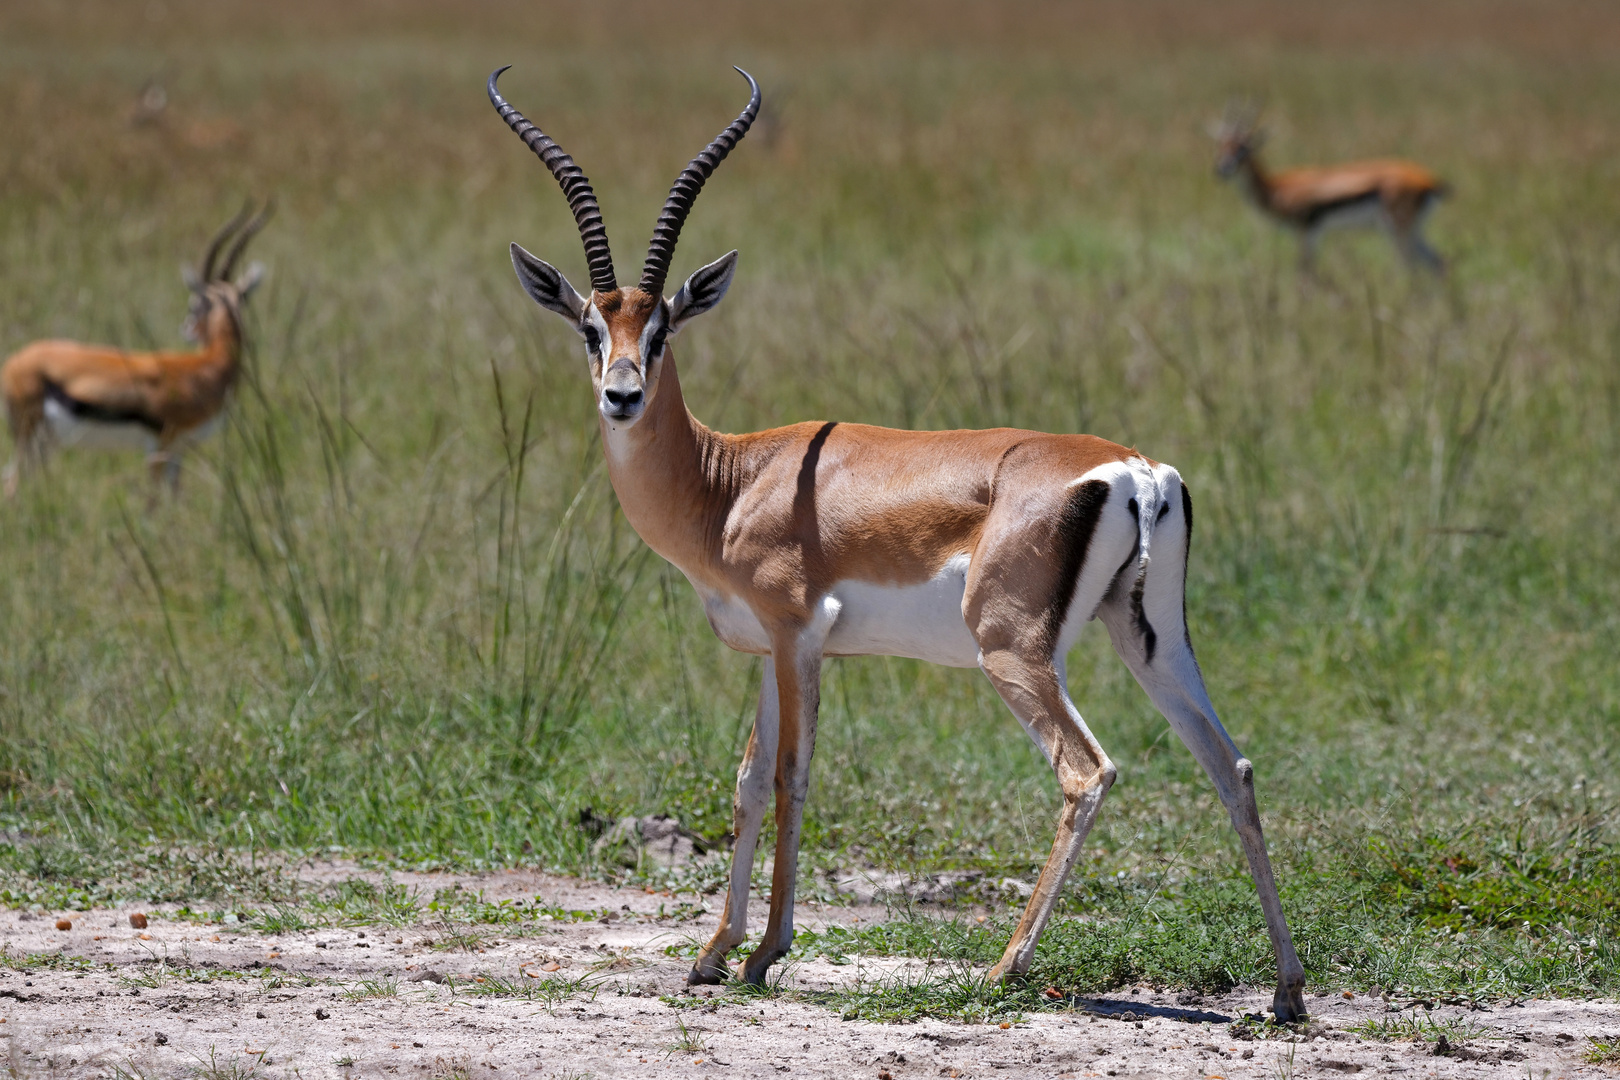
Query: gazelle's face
{"x": 215, "y": 296}
{"x": 626, "y": 331}
{"x": 1236, "y": 147}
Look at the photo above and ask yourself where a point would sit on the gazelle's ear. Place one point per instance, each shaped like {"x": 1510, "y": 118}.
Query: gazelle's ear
{"x": 188, "y": 274}
{"x": 704, "y": 289}
{"x": 549, "y": 288}
{"x": 250, "y": 279}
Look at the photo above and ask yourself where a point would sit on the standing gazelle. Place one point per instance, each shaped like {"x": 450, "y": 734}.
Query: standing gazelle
{"x": 73, "y": 394}
{"x": 1394, "y": 195}
{"x": 965, "y": 548}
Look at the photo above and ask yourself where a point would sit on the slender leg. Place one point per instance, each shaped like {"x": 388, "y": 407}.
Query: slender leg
{"x": 748, "y": 814}
{"x": 31, "y": 448}
{"x": 1034, "y": 690}
{"x": 798, "y": 690}
{"x": 1419, "y": 253}
{"x": 1169, "y": 673}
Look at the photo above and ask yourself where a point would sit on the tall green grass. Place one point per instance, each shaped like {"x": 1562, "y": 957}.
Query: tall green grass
{"x": 395, "y": 611}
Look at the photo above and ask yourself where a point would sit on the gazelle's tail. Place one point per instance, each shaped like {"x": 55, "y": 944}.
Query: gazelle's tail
{"x": 1149, "y": 506}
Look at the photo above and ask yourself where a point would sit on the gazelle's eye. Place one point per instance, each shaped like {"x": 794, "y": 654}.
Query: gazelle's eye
{"x": 593, "y": 340}
{"x": 655, "y": 346}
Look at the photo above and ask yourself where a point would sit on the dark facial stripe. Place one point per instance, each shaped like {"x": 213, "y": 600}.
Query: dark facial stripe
{"x": 1075, "y": 526}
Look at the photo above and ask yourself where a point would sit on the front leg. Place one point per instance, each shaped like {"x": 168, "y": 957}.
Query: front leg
{"x": 798, "y": 690}
{"x": 748, "y": 814}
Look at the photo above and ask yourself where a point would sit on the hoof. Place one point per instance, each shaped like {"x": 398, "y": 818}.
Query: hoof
{"x": 754, "y": 968}
{"x": 705, "y": 976}
{"x": 1002, "y": 974}
{"x": 1289, "y": 1005}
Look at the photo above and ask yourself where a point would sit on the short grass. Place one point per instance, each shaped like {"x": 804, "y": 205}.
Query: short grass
{"x": 395, "y": 614}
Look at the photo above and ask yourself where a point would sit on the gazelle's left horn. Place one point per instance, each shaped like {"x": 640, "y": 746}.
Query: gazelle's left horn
{"x": 685, "y": 191}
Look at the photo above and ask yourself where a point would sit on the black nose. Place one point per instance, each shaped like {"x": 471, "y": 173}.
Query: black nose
{"x": 622, "y": 399}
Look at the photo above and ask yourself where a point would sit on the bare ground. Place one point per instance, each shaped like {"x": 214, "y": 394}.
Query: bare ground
{"x": 184, "y": 998}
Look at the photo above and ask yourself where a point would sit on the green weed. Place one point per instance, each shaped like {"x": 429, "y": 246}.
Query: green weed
{"x": 1414, "y": 1027}
{"x": 687, "y": 1041}
{"x": 384, "y": 987}
{"x": 1603, "y": 1051}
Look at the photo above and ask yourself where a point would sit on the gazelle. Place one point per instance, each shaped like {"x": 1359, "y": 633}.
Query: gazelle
{"x": 71, "y": 394}
{"x": 1394, "y": 195}
{"x": 986, "y": 549}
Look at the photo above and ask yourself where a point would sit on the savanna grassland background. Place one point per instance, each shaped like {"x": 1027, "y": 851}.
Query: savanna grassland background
{"x": 395, "y": 614}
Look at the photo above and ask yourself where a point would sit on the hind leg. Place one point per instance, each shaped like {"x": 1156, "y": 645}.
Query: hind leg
{"x": 1149, "y": 631}
{"x": 1406, "y": 227}
{"x": 1027, "y": 594}
{"x": 1033, "y": 689}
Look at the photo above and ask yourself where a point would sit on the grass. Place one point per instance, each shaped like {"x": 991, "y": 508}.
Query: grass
{"x": 395, "y": 615}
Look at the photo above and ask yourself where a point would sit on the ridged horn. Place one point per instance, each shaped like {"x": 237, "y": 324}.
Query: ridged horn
{"x": 685, "y": 191}
{"x": 205, "y": 270}
{"x": 581, "y": 198}
{"x": 249, "y": 231}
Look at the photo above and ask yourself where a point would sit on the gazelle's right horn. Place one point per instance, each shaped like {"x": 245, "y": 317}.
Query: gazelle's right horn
{"x": 249, "y": 231}
{"x": 685, "y": 191}
{"x": 205, "y": 270}
{"x": 575, "y": 185}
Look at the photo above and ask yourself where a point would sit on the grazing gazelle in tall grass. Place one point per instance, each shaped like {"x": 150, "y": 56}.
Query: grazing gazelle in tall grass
{"x": 987, "y": 549}
{"x": 66, "y": 393}
{"x": 1394, "y": 195}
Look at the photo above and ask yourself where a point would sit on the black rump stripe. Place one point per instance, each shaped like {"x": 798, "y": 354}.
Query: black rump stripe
{"x": 1075, "y": 526}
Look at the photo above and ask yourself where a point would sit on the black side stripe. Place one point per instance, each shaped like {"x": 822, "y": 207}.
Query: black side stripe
{"x": 1186, "y": 560}
{"x": 83, "y": 410}
{"x": 1075, "y": 527}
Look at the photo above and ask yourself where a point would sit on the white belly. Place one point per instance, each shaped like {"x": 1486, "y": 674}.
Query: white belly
{"x": 70, "y": 430}
{"x": 921, "y": 621}
{"x": 735, "y": 623}
{"x": 1357, "y": 215}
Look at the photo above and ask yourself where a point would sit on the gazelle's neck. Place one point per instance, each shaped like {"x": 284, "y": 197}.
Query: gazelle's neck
{"x": 1256, "y": 181}
{"x": 674, "y": 477}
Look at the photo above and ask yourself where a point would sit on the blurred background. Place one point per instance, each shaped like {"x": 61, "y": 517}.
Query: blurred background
{"x": 394, "y": 612}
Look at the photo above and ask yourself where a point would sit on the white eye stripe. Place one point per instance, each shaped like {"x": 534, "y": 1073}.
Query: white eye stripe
{"x": 595, "y": 331}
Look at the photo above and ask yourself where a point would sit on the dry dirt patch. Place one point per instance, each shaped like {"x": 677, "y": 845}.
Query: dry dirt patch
{"x": 603, "y": 999}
